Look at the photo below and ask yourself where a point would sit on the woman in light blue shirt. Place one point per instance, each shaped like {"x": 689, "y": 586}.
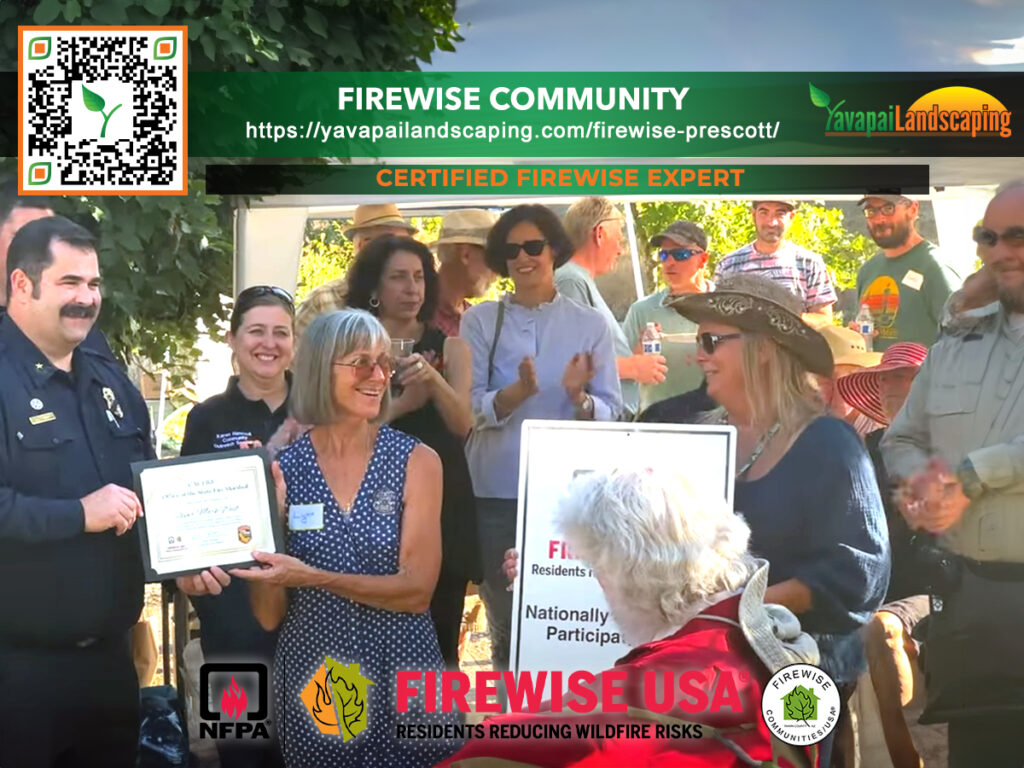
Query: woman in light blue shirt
{"x": 536, "y": 355}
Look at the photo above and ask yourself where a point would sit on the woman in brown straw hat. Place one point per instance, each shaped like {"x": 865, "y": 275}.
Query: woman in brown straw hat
{"x": 804, "y": 481}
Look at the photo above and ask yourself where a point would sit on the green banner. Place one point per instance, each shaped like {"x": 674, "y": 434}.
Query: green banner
{"x": 554, "y": 179}
{"x": 589, "y": 115}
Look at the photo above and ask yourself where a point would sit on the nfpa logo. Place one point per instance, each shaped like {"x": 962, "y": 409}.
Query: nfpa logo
{"x": 226, "y": 693}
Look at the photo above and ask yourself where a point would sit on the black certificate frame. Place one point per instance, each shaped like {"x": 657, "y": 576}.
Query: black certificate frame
{"x": 276, "y": 527}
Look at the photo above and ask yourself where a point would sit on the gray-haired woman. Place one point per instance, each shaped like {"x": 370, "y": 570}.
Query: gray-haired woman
{"x": 364, "y": 550}
{"x": 683, "y": 588}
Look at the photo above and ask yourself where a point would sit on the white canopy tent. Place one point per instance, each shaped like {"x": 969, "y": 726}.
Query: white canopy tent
{"x": 269, "y": 234}
{"x": 268, "y": 237}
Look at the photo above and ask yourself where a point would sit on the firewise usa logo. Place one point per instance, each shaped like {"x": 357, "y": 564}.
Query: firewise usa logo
{"x": 336, "y": 699}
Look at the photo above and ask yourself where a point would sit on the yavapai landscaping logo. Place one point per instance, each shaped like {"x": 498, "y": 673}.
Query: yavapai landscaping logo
{"x": 800, "y": 704}
{"x": 336, "y": 699}
{"x": 954, "y": 111}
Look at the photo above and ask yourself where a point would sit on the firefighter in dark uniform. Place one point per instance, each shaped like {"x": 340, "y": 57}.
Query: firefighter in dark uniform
{"x": 71, "y": 580}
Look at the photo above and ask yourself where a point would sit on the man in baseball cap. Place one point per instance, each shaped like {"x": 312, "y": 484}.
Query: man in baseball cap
{"x": 368, "y": 222}
{"x": 463, "y": 273}
{"x": 681, "y": 252}
{"x": 905, "y": 285}
{"x": 797, "y": 269}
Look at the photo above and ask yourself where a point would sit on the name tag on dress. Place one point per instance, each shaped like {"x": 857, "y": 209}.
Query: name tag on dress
{"x": 306, "y": 517}
{"x": 913, "y": 280}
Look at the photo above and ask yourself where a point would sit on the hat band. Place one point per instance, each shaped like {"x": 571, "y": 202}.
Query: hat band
{"x": 380, "y": 220}
{"x": 447, "y": 234}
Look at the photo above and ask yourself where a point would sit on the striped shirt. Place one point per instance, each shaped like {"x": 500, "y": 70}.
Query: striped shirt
{"x": 799, "y": 270}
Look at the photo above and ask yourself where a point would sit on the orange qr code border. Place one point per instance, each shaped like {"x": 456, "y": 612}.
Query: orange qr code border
{"x": 182, "y": 163}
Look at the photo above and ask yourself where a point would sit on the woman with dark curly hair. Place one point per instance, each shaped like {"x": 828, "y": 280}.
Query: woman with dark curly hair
{"x": 536, "y": 355}
{"x": 394, "y": 279}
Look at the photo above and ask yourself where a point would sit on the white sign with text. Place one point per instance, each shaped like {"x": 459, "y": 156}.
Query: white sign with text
{"x": 560, "y": 619}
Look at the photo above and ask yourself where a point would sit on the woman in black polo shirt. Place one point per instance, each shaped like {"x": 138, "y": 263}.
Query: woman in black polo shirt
{"x": 252, "y": 408}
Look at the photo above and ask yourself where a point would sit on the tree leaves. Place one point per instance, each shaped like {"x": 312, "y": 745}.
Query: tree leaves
{"x": 800, "y": 704}
{"x": 46, "y": 11}
{"x": 818, "y": 97}
{"x": 316, "y": 21}
{"x": 72, "y": 10}
{"x": 157, "y": 7}
{"x": 272, "y": 35}
{"x": 93, "y": 101}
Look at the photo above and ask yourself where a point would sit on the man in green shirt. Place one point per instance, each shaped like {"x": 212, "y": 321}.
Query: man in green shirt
{"x": 682, "y": 252}
{"x": 906, "y": 285}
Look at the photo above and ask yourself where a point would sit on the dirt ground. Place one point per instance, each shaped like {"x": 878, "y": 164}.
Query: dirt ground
{"x": 476, "y": 655}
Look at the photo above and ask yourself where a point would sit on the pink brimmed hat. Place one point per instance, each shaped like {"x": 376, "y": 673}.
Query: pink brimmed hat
{"x": 860, "y": 389}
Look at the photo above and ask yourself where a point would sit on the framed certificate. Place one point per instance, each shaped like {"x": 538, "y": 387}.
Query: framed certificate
{"x": 200, "y": 511}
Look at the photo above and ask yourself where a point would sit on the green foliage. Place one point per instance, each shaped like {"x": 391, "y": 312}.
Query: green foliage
{"x": 326, "y": 255}
{"x": 729, "y": 225}
{"x": 800, "y": 704}
{"x": 165, "y": 262}
{"x": 265, "y": 35}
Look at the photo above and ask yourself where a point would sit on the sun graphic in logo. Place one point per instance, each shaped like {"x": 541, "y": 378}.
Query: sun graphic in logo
{"x": 957, "y": 98}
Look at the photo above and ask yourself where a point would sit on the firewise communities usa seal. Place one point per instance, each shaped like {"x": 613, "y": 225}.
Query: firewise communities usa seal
{"x": 800, "y": 704}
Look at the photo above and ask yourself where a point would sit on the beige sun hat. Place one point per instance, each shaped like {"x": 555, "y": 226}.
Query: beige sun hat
{"x": 848, "y": 347}
{"x": 773, "y": 631}
{"x": 382, "y": 215}
{"x": 468, "y": 225}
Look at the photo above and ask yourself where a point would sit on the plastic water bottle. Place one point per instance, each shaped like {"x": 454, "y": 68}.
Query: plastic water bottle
{"x": 866, "y": 326}
{"x": 651, "y": 340}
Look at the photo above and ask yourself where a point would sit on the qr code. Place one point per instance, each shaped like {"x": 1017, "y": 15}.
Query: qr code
{"x": 103, "y": 111}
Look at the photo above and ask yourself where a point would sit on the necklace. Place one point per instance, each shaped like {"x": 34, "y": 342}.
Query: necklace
{"x": 346, "y": 509}
{"x": 758, "y": 450}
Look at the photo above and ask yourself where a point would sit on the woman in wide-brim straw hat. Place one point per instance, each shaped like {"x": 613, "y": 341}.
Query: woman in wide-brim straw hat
{"x": 804, "y": 481}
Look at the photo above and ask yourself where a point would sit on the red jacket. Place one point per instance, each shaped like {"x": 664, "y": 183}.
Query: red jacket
{"x": 706, "y": 646}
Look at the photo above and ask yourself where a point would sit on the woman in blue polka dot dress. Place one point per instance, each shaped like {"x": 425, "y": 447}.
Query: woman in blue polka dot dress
{"x": 364, "y": 552}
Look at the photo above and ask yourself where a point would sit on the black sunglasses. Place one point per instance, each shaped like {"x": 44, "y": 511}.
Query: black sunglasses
{"x": 1013, "y": 237}
{"x": 709, "y": 341}
{"x": 532, "y": 248}
{"x": 259, "y": 291}
{"x": 679, "y": 254}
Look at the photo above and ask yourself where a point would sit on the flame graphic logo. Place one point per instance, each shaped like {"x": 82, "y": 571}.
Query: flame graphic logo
{"x": 336, "y": 697}
{"x": 232, "y": 701}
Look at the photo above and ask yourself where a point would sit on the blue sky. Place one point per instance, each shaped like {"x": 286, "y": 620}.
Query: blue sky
{"x": 742, "y": 35}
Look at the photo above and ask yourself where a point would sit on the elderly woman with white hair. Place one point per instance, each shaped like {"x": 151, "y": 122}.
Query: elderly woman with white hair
{"x": 683, "y": 587}
{"x": 363, "y": 555}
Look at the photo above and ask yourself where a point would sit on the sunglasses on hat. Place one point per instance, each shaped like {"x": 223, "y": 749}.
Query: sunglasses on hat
{"x": 679, "y": 254}
{"x": 532, "y": 248}
{"x": 259, "y": 291}
{"x": 1013, "y": 236}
